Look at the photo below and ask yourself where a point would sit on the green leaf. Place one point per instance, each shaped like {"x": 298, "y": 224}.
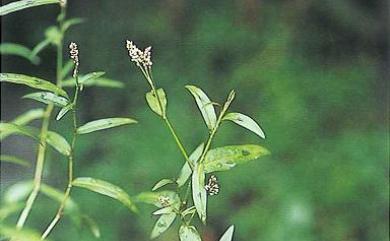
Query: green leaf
{"x": 228, "y": 235}
{"x": 53, "y": 35}
{"x": 29, "y": 116}
{"x": 188, "y": 233}
{"x": 104, "y": 124}
{"x": 204, "y": 106}
{"x": 94, "y": 80}
{"x": 246, "y": 122}
{"x": 40, "y": 46}
{"x": 229, "y": 100}
{"x": 188, "y": 211}
{"x": 14, "y": 160}
{"x": 92, "y": 225}
{"x": 105, "y": 188}
{"x": 185, "y": 172}
{"x": 162, "y": 183}
{"x": 159, "y": 199}
{"x": 32, "y": 82}
{"x": 48, "y": 98}
{"x": 20, "y": 235}
{"x": 83, "y": 79}
{"x": 154, "y": 104}
{"x": 7, "y": 129}
{"x": 162, "y": 224}
{"x": 66, "y": 69}
{"x": 19, "y": 50}
{"x": 17, "y": 192}
{"x": 59, "y": 143}
{"x": 70, "y": 22}
{"x": 199, "y": 194}
{"x": 23, "y": 4}
{"x": 10, "y": 208}
{"x": 227, "y": 157}
{"x": 164, "y": 210}
{"x": 63, "y": 111}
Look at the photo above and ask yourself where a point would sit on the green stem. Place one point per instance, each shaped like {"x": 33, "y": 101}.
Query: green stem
{"x": 42, "y": 147}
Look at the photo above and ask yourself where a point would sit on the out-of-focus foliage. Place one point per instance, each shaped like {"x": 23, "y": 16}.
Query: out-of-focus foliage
{"x": 312, "y": 72}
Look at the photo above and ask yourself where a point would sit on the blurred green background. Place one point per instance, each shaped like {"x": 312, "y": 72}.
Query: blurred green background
{"x": 313, "y": 73}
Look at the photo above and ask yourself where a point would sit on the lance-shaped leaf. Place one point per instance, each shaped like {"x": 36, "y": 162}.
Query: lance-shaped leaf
{"x": 48, "y": 98}
{"x": 105, "y": 188}
{"x": 70, "y": 22}
{"x": 154, "y": 104}
{"x": 228, "y": 235}
{"x": 32, "y": 82}
{"x": 92, "y": 225}
{"x": 83, "y": 79}
{"x": 229, "y": 100}
{"x": 10, "y": 208}
{"x": 165, "y": 210}
{"x": 98, "y": 82}
{"x": 20, "y": 235}
{"x": 162, "y": 183}
{"x": 188, "y": 233}
{"x": 20, "y": 5}
{"x": 14, "y": 160}
{"x": 199, "y": 194}
{"x": 227, "y": 157}
{"x": 246, "y": 122}
{"x": 24, "y": 119}
{"x": 205, "y": 106}
{"x": 63, "y": 111}
{"x": 40, "y": 46}
{"x": 59, "y": 143}
{"x": 7, "y": 129}
{"x": 18, "y": 50}
{"x": 159, "y": 199}
{"x": 104, "y": 124}
{"x": 185, "y": 172}
{"x": 162, "y": 224}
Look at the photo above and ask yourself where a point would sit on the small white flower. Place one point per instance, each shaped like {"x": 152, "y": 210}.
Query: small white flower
{"x": 212, "y": 186}
{"x": 74, "y": 55}
{"x": 141, "y": 58}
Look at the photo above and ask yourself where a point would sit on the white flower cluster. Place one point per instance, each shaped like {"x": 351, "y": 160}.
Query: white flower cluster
{"x": 212, "y": 186}
{"x": 74, "y": 54}
{"x": 141, "y": 58}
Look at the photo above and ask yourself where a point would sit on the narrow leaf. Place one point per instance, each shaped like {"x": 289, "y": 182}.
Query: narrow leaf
{"x": 199, "y": 194}
{"x": 162, "y": 224}
{"x": 228, "y": 235}
{"x": 83, "y": 79}
{"x": 162, "y": 183}
{"x": 48, "y": 98}
{"x": 164, "y": 210}
{"x": 246, "y": 122}
{"x": 153, "y": 102}
{"x": 17, "y": 192}
{"x": 185, "y": 172}
{"x": 98, "y": 82}
{"x": 29, "y": 116}
{"x": 229, "y": 100}
{"x": 93, "y": 227}
{"x": 20, "y": 5}
{"x": 106, "y": 189}
{"x": 70, "y": 22}
{"x": 63, "y": 111}
{"x": 227, "y": 157}
{"x": 204, "y": 106}
{"x": 39, "y": 47}
{"x": 14, "y": 160}
{"x": 10, "y": 208}
{"x": 18, "y": 50}
{"x": 188, "y": 233}
{"x": 12, "y": 129}
{"x": 32, "y": 82}
{"x": 58, "y": 142}
{"x": 104, "y": 124}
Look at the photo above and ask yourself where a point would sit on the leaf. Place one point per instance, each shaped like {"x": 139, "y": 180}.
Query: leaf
{"x": 14, "y": 160}
{"x": 59, "y": 143}
{"x": 186, "y": 171}
{"x": 92, "y": 225}
{"x": 23, "y": 4}
{"x": 17, "y": 192}
{"x": 154, "y": 104}
{"x": 228, "y": 235}
{"x": 63, "y": 111}
{"x": 98, "y": 82}
{"x": 188, "y": 233}
{"x": 39, "y": 47}
{"x": 66, "y": 69}
{"x": 48, "y": 98}
{"x": 246, "y": 122}
{"x": 199, "y": 194}
{"x": 162, "y": 183}
{"x": 7, "y": 129}
{"x": 159, "y": 199}
{"x": 20, "y": 235}
{"x": 9, "y": 209}
{"x": 188, "y": 211}
{"x": 19, "y": 50}
{"x": 105, "y": 188}
{"x": 227, "y": 157}
{"x": 29, "y": 116}
{"x": 70, "y": 22}
{"x": 58, "y": 196}
{"x": 162, "y": 224}
{"x": 164, "y": 210}
{"x": 53, "y": 35}
{"x": 83, "y": 79}
{"x": 204, "y": 106}
{"x": 103, "y": 124}
{"x": 229, "y": 100}
{"x": 32, "y": 82}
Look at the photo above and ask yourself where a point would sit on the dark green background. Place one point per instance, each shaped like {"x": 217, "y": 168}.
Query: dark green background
{"x": 312, "y": 73}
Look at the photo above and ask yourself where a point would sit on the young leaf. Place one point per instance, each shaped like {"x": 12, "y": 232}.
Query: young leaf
{"x": 162, "y": 183}
{"x": 59, "y": 143}
{"x": 20, "y": 235}
{"x": 10, "y": 129}
{"x": 162, "y": 224}
{"x": 106, "y": 189}
{"x": 48, "y": 98}
{"x": 185, "y": 172}
{"x": 188, "y": 233}
{"x": 199, "y": 194}
{"x": 20, "y": 5}
{"x": 204, "y": 106}
{"x": 159, "y": 199}
{"x": 18, "y": 50}
{"x": 154, "y": 104}
{"x": 227, "y": 157}
{"x": 63, "y": 111}
{"x": 32, "y": 82}
{"x": 104, "y": 124}
{"x": 14, "y": 160}
{"x": 228, "y": 235}
{"x": 246, "y": 122}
